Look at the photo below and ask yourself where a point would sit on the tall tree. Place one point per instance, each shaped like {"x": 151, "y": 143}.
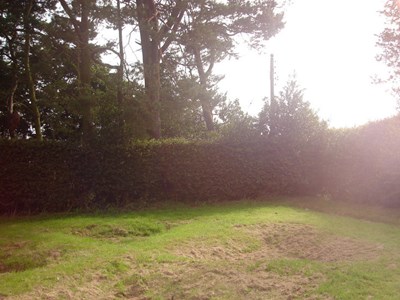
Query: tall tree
{"x": 209, "y": 35}
{"x": 19, "y": 30}
{"x": 293, "y": 118}
{"x": 79, "y": 15}
{"x": 389, "y": 41}
{"x": 11, "y": 46}
{"x": 13, "y": 62}
{"x": 121, "y": 53}
{"x": 29, "y": 78}
{"x": 155, "y": 40}
{"x": 74, "y": 84}
{"x": 13, "y": 79}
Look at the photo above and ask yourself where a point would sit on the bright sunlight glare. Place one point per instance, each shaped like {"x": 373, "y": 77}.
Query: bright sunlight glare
{"x": 331, "y": 47}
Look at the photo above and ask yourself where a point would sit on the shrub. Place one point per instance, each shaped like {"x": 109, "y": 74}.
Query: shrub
{"x": 363, "y": 164}
{"x": 54, "y": 176}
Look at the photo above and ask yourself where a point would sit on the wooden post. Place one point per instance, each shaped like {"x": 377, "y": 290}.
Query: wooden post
{"x": 273, "y": 104}
{"x": 272, "y": 81}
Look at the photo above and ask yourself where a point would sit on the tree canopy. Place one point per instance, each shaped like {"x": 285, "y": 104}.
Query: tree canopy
{"x": 57, "y": 84}
{"x": 389, "y": 41}
{"x": 291, "y": 117}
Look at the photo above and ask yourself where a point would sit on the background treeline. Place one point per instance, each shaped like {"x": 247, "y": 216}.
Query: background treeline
{"x": 121, "y": 70}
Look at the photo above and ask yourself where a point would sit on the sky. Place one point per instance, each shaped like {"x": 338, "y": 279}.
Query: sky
{"x": 330, "y": 46}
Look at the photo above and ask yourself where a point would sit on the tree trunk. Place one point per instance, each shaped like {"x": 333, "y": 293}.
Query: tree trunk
{"x": 85, "y": 74}
{"x": 205, "y": 102}
{"x": 273, "y": 130}
{"x": 153, "y": 87}
{"x": 81, "y": 26}
{"x": 120, "y": 76}
{"x": 30, "y": 82}
{"x": 149, "y": 36}
{"x": 10, "y": 104}
{"x": 121, "y": 56}
{"x": 14, "y": 86}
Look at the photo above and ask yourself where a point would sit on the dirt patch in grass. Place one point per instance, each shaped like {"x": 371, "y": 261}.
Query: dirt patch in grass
{"x": 221, "y": 280}
{"x": 93, "y": 284}
{"x": 113, "y": 232}
{"x": 276, "y": 241}
{"x": 101, "y": 231}
{"x": 87, "y": 286}
{"x": 21, "y": 256}
{"x": 212, "y": 251}
{"x": 171, "y": 224}
{"x": 302, "y": 241}
{"x": 275, "y": 266}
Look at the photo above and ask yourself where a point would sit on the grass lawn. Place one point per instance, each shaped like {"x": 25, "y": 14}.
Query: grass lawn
{"x": 265, "y": 249}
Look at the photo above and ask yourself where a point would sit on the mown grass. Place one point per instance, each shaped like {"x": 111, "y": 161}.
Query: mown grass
{"x": 148, "y": 254}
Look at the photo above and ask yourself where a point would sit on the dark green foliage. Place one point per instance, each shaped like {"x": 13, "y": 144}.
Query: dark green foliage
{"x": 60, "y": 177}
{"x": 360, "y": 164}
{"x": 290, "y": 117}
{"x": 34, "y": 175}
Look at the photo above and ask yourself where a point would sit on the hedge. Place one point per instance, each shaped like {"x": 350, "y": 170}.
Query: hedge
{"x": 54, "y": 176}
{"x": 361, "y": 164}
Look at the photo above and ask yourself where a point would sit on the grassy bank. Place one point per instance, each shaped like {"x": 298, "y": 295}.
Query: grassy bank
{"x": 241, "y": 250}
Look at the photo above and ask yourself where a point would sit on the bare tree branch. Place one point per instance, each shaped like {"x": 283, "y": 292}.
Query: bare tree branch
{"x": 172, "y": 24}
{"x": 71, "y": 16}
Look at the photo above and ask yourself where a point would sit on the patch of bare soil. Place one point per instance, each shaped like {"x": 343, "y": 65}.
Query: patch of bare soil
{"x": 286, "y": 240}
{"x": 209, "y": 251}
{"x": 84, "y": 286}
{"x": 114, "y": 233}
{"x": 21, "y": 256}
{"x": 306, "y": 242}
{"x": 234, "y": 271}
{"x": 171, "y": 224}
{"x": 101, "y": 231}
{"x": 197, "y": 280}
